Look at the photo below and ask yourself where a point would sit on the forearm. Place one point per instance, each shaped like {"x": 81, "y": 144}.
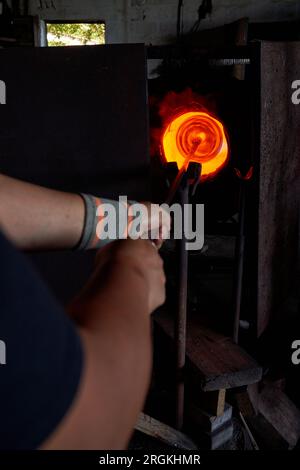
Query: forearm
{"x": 113, "y": 318}
{"x": 37, "y": 218}
{"x": 117, "y": 326}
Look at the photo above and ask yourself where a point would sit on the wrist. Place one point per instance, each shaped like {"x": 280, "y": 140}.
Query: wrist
{"x": 105, "y": 220}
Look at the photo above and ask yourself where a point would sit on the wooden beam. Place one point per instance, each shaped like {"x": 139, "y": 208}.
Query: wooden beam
{"x": 281, "y": 413}
{"x": 214, "y": 362}
{"x": 164, "y": 433}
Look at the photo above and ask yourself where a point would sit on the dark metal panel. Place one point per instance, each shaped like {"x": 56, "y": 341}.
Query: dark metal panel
{"x": 76, "y": 119}
{"x": 279, "y": 177}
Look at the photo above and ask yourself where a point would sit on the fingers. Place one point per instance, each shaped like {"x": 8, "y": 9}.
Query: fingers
{"x": 140, "y": 256}
{"x": 149, "y": 221}
{"x": 156, "y": 223}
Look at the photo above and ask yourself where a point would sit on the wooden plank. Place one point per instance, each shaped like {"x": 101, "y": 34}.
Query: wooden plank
{"x": 253, "y": 393}
{"x": 281, "y": 412}
{"x": 267, "y": 437}
{"x": 166, "y": 434}
{"x": 215, "y": 362}
{"x": 279, "y": 177}
{"x": 244, "y": 403}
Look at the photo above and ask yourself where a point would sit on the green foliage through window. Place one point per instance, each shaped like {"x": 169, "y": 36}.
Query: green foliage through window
{"x": 75, "y": 34}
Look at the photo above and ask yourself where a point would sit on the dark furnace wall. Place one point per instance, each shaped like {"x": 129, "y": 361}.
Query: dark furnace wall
{"x": 76, "y": 120}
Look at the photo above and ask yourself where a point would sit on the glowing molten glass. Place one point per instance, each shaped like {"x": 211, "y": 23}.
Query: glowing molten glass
{"x": 198, "y": 137}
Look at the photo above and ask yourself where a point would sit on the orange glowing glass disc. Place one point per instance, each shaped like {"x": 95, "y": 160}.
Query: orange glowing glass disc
{"x": 198, "y": 137}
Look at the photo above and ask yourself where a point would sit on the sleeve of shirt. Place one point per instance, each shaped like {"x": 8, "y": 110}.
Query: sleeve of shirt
{"x": 43, "y": 355}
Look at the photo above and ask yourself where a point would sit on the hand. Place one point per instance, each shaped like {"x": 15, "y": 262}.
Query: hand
{"x": 142, "y": 258}
{"x": 155, "y": 222}
{"x": 123, "y": 264}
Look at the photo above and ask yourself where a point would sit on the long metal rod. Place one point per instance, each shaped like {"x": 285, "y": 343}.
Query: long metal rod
{"x": 180, "y": 330}
{"x": 239, "y": 256}
{"x": 175, "y": 185}
{"x": 177, "y": 182}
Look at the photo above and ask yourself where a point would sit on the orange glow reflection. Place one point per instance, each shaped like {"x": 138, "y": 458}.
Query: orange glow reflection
{"x": 199, "y": 137}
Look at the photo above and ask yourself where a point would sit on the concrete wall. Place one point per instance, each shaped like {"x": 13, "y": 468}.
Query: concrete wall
{"x": 154, "y": 21}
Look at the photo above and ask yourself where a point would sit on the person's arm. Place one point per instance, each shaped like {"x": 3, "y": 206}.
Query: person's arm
{"x": 113, "y": 314}
{"x": 37, "y": 218}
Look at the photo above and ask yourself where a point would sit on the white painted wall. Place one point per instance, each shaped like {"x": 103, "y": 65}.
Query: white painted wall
{"x": 154, "y": 21}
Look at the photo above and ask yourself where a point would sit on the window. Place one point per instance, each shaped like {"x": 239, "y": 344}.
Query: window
{"x": 75, "y": 34}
